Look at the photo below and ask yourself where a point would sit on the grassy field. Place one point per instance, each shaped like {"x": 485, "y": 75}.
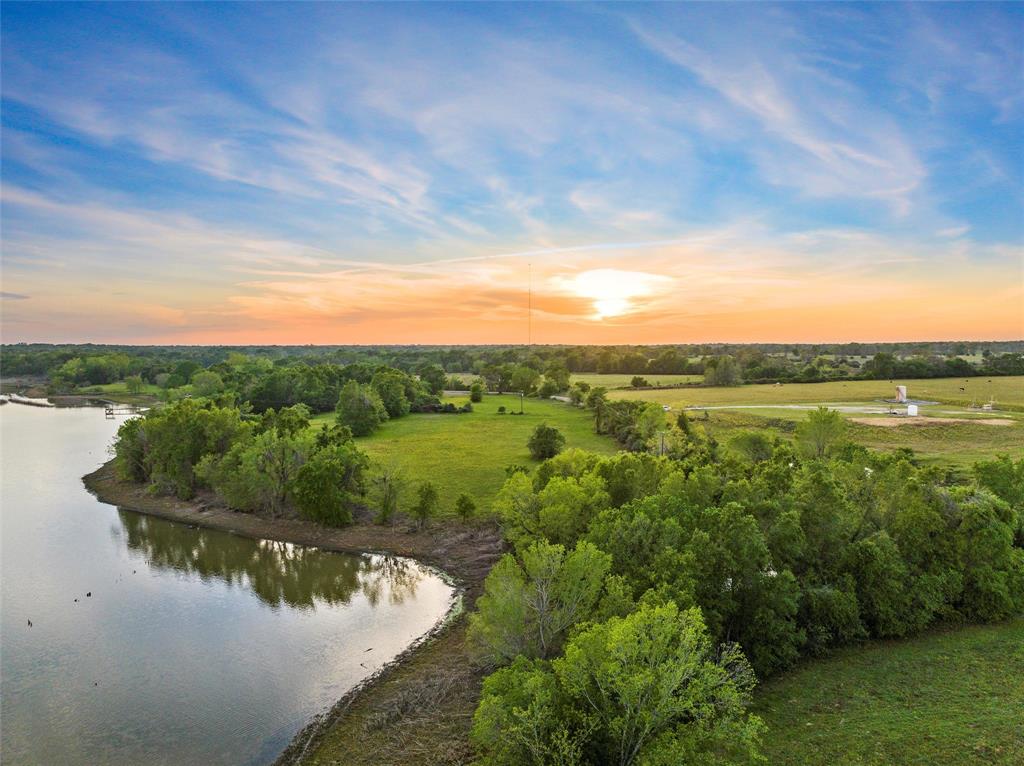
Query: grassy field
{"x": 468, "y": 453}
{"x": 934, "y": 437}
{"x": 952, "y": 697}
{"x": 120, "y": 387}
{"x": 1007, "y": 391}
{"x": 616, "y": 380}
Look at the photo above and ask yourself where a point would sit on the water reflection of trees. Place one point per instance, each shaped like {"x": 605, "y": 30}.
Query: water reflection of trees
{"x": 277, "y": 572}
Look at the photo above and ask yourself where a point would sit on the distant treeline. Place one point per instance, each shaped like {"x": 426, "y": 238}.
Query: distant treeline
{"x": 520, "y": 367}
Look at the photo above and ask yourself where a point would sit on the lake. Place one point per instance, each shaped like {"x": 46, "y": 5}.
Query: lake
{"x": 195, "y": 646}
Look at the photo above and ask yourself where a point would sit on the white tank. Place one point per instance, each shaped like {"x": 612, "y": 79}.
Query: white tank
{"x": 912, "y": 410}
{"x": 901, "y": 394}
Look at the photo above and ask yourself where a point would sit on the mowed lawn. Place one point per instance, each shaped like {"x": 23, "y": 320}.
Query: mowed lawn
{"x": 951, "y": 697}
{"x": 1007, "y": 391}
{"x": 469, "y": 452}
{"x": 623, "y": 380}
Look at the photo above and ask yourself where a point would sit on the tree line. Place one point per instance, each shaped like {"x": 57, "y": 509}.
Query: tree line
{"x": 516, "y": 368}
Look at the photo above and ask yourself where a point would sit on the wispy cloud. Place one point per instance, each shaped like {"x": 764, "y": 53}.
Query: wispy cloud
{"x": 367, "y": 172}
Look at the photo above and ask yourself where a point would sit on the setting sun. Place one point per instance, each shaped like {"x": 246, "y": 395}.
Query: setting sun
{"x": 614, "y": 292}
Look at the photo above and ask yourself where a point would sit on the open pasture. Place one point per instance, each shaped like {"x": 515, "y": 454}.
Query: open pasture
{"x": 469, "y": 452}
{"x": 951, "y": 696}
{"x": 622, "y": 380}
{"x": 1008, "y": 393}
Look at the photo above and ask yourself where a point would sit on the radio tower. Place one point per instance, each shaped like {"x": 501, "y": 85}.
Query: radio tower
{"x": 529, "y": 305}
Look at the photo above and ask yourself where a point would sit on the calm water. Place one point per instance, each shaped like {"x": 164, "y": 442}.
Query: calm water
{"x": 196, "y": 647}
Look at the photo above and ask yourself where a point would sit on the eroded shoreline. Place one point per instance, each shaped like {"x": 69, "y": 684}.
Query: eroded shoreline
{"x": 461, "y": 554}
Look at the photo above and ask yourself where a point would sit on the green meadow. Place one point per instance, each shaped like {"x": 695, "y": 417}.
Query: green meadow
{"x": 1008, "y": 393}
{"x": 949, "y": 433}
{"x": 624, "y": 380}
{"x": 469, "y": 452}
{"x": 948, "y": 697}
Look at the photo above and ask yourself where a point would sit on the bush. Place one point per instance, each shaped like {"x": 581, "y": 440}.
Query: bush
{"x": 476, "y": 393}
{"x": 546, "y": 442}
{"x": 465, "y": 507}
{"x": 426, "y": 504}
{"x": 547, "y": 389}
{"x": 638, "y": 382}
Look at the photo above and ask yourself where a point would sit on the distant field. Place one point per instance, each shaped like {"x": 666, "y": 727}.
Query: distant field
{"x": 468, "y": 453}
{"x": 120, "y": 388}
{"x": 616, "y": 380}
{"x": 954, "y": 697}
{"x": 1007, "y": 391}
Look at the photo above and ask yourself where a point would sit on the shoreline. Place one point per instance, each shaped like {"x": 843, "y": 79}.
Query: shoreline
{"x": 463, "y": 557}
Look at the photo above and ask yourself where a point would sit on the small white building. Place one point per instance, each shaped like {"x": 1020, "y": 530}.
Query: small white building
{"x": 911, "y": 410}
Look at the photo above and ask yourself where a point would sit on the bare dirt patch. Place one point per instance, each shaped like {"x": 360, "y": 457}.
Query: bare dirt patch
{"x": 904, "y": 421}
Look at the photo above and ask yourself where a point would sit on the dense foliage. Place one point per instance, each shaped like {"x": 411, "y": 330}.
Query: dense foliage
{"x": 269, "y": 464}
{"x": 782, "y": 551}
{"x": 280, "y": 376}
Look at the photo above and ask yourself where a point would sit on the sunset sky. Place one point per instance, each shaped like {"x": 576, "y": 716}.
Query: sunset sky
{"x": 333, "y": 173}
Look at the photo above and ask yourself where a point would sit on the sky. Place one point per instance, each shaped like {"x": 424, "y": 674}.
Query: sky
{"x": 448, "y": 173}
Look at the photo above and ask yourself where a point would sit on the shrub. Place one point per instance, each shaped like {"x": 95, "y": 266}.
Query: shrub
{"x": 426, "y": 504}
{"x": 476, "y": 392}
{"x": 545, "y": 442}
{"x": 465, "y": 507}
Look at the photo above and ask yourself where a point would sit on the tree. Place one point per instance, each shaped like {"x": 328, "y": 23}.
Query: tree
{"x": 545, "y": 442}
{"x": 524, "y": 379}
{"x": 133, "y": 383}
{"x": 390, "y": 386}
{"x": 638, "y": 382}
{"x": 558, "y": 374}
{"x": 389, "y": 484}
{"x": 755, "y": 446}
{"x": 207, "y": 383}
{"x": 426, "y": 503}
{"x": 274, "y": 460}
{"x": 650, "y": 687}
{"x": 476, "y": 392}
{"x": 725, "y": 372}
{"x": 432, "y": 376}
{"x": 329, "y": 484}
{"x": 548, "y": 388}
{"x": 465, "y": 507}
{"x": 820, "y": 433}
{"x": 360, "y": 408}
{"x": 527, "y": 609}
{"x": 1004, "y": 478}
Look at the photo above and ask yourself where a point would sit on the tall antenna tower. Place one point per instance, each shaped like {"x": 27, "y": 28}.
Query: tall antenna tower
{"x": 529, "y": 305}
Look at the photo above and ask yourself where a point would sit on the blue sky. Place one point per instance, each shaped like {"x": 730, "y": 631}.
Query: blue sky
{"x": 367, "y": 173}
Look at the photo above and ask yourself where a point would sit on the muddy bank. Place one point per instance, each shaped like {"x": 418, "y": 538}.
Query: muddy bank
{"x": 436, "y": 665}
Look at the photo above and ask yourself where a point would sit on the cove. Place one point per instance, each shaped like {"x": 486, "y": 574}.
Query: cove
{"x": 195, "y": 645}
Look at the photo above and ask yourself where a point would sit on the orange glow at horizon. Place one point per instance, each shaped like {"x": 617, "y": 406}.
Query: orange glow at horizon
{"x": 680, "y": 296}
